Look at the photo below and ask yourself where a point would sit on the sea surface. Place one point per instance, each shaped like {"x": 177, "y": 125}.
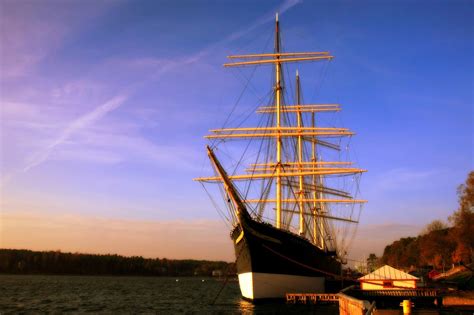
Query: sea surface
{"x": 152, "y": 295}
{"x": 38, "y": 294}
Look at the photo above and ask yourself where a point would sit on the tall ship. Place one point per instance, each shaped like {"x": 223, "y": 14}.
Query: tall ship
{"x": 290, "y": 195}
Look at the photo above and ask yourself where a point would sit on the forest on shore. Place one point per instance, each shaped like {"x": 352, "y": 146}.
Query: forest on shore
{"x": 440, "y": 244}
{"x": 18, "y": 261}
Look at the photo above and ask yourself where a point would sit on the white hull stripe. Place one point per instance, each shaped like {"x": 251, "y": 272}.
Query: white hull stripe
{"x": 254, "y": 285}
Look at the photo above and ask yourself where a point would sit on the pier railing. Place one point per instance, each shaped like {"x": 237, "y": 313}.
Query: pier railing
{"x": 313, "y": 298}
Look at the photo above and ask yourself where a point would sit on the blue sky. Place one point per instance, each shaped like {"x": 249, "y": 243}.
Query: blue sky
{"x": 104, "y": 105}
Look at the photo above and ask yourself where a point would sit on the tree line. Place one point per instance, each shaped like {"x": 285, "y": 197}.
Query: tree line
{"x": 17, "y": 261}
{"x": 439, "y": 245}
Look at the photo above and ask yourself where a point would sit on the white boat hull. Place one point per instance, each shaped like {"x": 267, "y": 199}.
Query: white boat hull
{"x": 254, "y": 285}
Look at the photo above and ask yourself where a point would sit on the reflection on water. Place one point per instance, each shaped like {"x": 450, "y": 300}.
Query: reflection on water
{"x": 246, "y": 307}
{"x": 282, "y": 308}
{"x": 78, "y": 294}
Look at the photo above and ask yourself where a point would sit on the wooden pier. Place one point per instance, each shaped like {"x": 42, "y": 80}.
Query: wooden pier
{"x": 353, "y": 301}
{"x": 313, "y": 298}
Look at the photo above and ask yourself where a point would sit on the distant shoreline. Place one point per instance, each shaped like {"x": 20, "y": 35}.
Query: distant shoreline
{"x": 28, "y": 262}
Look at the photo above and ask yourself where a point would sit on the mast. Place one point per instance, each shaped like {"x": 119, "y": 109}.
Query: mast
{"x": 304, "y": 176}
{"x": 229, "y": 188}
{"x": 278, "y": 119}
{"x": 318, "y": 224}
{"x": 315, "y": 193}
{"x": 300, "y": 157}
{"x": 319, "y": 232}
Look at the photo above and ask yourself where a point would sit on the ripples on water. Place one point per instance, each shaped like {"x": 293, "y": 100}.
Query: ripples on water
{"x": 98, "y": 294}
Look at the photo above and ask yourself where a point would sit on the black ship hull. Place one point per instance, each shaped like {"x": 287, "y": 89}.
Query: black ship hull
{"x": 272, "y": 262}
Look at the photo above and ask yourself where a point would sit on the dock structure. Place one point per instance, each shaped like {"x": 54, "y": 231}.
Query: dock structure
{"x": 312, "y": 298}
{"x": 401, "y": 293}
{"x": 354, "y": 301}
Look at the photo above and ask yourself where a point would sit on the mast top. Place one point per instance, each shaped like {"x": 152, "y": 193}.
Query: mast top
{"x": 276, "y": 17}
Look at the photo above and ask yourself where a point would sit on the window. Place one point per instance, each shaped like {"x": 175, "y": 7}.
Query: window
{"x": 387, "y": 284}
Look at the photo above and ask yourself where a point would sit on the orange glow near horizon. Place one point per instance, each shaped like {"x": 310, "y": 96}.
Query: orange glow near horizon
{"x": 184, "y": 239}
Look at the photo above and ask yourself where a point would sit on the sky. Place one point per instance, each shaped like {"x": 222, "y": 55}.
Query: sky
{"x": 103, "y": 106}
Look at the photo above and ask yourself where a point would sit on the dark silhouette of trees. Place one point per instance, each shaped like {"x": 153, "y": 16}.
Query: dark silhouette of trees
{"x": 436, "y": 225}
{"x": 439, "y": 245}
{"x": 436, "y": 248}
{"x": 55, "y": 262}
{"x": 463, "y": 221}
{"x": 372, "y": 262}
{"x": 402, "y": 253}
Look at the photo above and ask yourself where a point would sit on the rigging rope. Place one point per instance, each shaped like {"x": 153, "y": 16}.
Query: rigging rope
{"x": 289, "y": 151}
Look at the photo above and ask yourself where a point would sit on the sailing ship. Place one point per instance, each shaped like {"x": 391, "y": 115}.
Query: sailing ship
{"x": 289, "y": 224}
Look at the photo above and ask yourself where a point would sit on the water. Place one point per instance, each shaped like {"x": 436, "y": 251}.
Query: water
{"x": 101, "y": 294}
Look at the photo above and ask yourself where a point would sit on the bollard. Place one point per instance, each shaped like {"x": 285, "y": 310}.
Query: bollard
{"x": 407, "y": 305}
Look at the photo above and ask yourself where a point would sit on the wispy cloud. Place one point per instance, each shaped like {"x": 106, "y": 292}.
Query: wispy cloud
{"x": 25, "y": 41}
{"x": 29, "y": 32}
{"x": 17, "y": 110}
{"x": 100, "y": 156}
{"x": 162, "y": 66}
{"x": 87, "y": 120}
{"x": 270, "y": 16}
{"x": 130, "y": 146}
{"x": 73, "y": 127}
{"x": 166, "y": 65}
{"x": 267, "y": 17}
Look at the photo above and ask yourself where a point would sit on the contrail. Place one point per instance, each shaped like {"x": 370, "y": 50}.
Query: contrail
{"x": 77, "y": 124}
{"x": 118, "y": 100}
{"x": 268, "y": 17}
